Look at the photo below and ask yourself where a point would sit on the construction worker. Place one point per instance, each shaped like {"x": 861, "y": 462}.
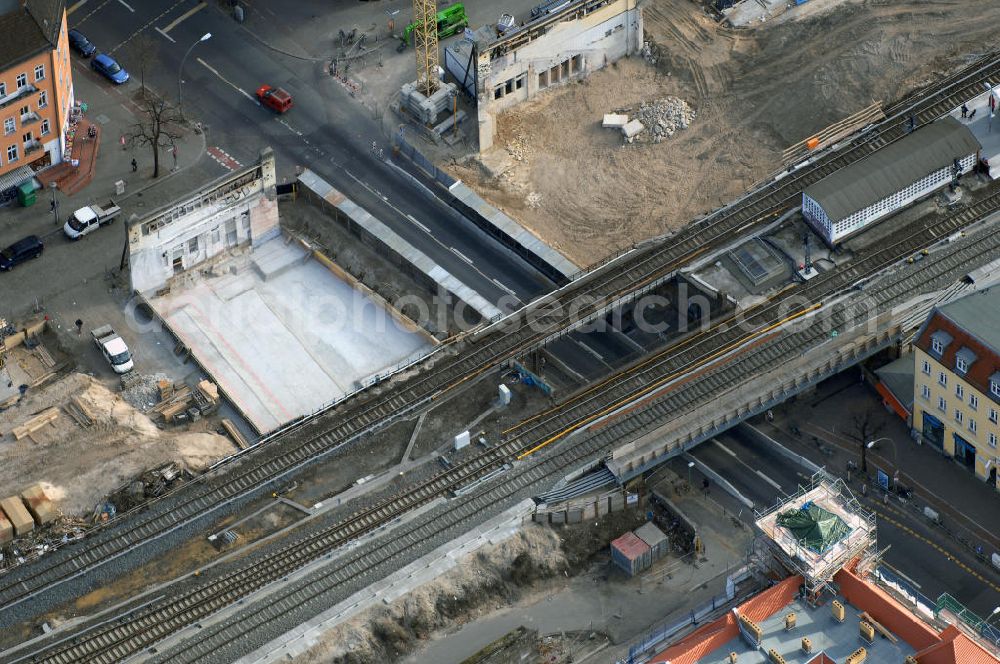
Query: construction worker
{"x": 135, "y": 165}
{"x": 965, "y": 111}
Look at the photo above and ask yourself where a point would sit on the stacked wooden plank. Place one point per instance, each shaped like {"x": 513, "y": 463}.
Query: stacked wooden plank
{"x": 39, "y": 505}
{"x": 18, "y": 515}
{"x": 44, "y": 418}
{"x": 79, "y": 411}
{"x": 178, "y": 402}
{"x": 43, "y": 356}
{"x": 234, "y": 433}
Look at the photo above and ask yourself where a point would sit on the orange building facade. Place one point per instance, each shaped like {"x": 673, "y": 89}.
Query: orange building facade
{"x": 36, "y": 84}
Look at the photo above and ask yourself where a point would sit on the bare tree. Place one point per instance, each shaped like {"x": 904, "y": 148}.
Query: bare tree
{"x": 159, "y": 126}
{"x": 141, "y": 55}
{"x": 866, "y": 428}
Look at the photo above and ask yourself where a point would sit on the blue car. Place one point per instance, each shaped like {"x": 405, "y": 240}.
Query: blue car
{"x": 105, "y": 65}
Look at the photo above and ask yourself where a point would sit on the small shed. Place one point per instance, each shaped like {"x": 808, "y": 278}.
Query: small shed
{"x": 654, "y": 539}
{"x": 18, "y": 515}
{"x": 630, "y": 553}
{"x": 41, "y": 508}
{"x": 6, "y": 530}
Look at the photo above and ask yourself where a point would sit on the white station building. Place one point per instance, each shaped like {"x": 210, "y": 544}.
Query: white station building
{"x": 855, "y": 197}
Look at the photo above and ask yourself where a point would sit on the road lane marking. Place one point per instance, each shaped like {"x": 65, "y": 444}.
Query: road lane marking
{"x": 502, "y": 286}
{"x": 290, "y": 127}
{"x": 166, "y": 35}
{"x": 126, "y": 5}
{"x": 724, "y": 448}
{"x": 76, "y": 6}
{"x": 183, "y": 17}
{"x": 143, "y": 28}
{"x": 769, "y": 480}
{"x": 228, "y": 82}
{"x": 454, "y": 250}
{"x": 419, "y": 225}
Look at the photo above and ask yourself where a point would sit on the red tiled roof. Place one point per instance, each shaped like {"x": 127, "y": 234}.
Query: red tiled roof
{"x": 701, "y": 642}
{"x": 955, "y": 648}
{"x": 987, "y": 362}
{"x": 630, "y": 546}
{"x": 821, "y": 659}
{"x": 886, "y": 610}
{"x": 763, "y": 605}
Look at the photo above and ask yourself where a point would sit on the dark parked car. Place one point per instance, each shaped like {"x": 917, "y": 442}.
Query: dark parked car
{"x": 20, "y": 251}
{"x": 81, "y": 44}
{"x": 105, "y": 65}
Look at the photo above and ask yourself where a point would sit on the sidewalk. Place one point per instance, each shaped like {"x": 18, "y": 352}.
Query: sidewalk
{"x": 947, "y": 487}
{"x": 113, "y": 113}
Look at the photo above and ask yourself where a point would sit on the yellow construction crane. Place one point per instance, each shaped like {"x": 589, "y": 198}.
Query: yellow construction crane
{"x": 425, "y": 42}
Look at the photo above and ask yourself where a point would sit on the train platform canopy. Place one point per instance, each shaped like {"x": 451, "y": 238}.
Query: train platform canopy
{"x": 893, "y": 168}
{"x": 981, "y": 126}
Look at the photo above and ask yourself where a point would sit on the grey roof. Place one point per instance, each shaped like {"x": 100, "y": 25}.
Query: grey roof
{"x": 965, "y": 353}
{"x": 893, "y": 168}
{"x": 29, "y": 31}
{"x": 978, "y": 314}
{"x": 650, "y": 534}
{"x": 898, "y": 377}
{"x": 943, "y": 337}
{"x": 995, "y": 377}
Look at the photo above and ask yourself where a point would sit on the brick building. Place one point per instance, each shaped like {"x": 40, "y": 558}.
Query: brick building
{"x": 36, "y": 87}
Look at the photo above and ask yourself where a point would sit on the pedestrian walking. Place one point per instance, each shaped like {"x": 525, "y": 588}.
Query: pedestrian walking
{"x": 135, "y": 165}
{"x": 79, "y": 327}
{"x": 965, "y": 111}
{"x": 174, "y": 153}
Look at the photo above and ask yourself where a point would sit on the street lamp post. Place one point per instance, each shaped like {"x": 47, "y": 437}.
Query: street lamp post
{"x": 180, "y": 70}
{"x": 870, "y": 444}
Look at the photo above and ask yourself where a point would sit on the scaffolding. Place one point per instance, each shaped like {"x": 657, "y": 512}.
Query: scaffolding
{"x": 817, "y": 566}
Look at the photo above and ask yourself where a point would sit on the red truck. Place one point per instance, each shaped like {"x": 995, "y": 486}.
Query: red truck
{"x": 276, "y": 99}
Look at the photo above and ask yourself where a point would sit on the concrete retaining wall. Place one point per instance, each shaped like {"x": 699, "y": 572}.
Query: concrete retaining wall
{"x": 408, "y": 259}
{"x": 584, "y": 508}
{"x": 762, "y": 439}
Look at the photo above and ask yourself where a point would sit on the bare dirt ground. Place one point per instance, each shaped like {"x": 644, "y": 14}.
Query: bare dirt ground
{"x": 755, "y": 93}
{"x": 78, "y": 467}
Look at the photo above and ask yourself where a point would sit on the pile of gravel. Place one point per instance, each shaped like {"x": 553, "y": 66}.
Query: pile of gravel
{"x": 142, "y": 392}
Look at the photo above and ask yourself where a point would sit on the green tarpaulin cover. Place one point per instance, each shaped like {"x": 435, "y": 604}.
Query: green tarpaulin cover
{"x": 814, "y": 527}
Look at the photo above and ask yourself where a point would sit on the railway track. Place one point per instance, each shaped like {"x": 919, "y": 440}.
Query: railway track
{"x": 580, "y": 300}
{"x": 115, "y": 642}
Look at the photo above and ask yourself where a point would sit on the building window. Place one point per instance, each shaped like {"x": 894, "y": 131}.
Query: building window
{"x": 43, "y": 99}
{"x": 942, "y": 379}
{"x": 193, "y": 245}
{"x": 3, "y": 89}
{"x": 993, "y": 440}
{"x": 959, "y": 391}
{"x": 961, "y": 365}
{"x": 937, "y": 346}
{"x": 995, "y": 388}
{"x": 22, "y": 80}
{"x": 27, "y": 138}
{"x": 959, "y": 417}
{"x": 498, "y": 92}
{"x": 11, "y": 153}
{"x": 942, "y": 405}
{"x": 8, "y": 126}
{"x": 39, "y": 72}
{"x": 926, "y": 391}
{"x": 973, "y": 401}
{"x": 45, "y": 126}
{"x": 972, "y": 426}
{"x": 927, "y": 368}
{"x": 993, "y": 415}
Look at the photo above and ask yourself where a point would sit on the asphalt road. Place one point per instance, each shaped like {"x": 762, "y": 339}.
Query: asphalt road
{"x": 326, "y": 131}
{"x": 914, "y": 551}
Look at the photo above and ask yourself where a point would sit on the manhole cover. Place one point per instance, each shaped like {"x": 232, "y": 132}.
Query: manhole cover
{"x": 103, "y": 119}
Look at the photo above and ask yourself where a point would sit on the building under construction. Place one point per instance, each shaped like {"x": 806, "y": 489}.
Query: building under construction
{"x": 500, "y": 65}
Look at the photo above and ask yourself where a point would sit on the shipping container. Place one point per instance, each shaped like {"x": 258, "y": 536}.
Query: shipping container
{"x": 18, "y": 515}
{"x": 41, "y": 508}
{"x": 630, "y": 554}
{"x": 655, "y": 539}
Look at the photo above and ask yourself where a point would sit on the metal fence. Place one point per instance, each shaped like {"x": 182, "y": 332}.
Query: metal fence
{"x": 664, "y": 631}
{"x": 423, "y": 163}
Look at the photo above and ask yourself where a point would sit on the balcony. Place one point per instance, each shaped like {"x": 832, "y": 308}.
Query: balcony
{"x": 32, "y": 146}
{"x": 29, "y": 118}
{"x": 20, "y": 93}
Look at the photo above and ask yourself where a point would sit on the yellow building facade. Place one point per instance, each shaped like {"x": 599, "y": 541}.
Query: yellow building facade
{"x": 36, "y": 84}
{"x": 956, "y": 390}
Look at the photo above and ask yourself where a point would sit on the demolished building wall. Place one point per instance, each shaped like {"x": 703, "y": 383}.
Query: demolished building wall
{"x": 236, "y": 210}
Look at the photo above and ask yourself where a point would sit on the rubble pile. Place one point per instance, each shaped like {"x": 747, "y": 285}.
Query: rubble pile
{"x": 664, "y": 117}
{"x": 143, "y": 392}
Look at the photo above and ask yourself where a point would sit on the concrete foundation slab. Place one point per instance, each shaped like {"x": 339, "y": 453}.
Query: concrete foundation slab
{"x": 283, "y": 337}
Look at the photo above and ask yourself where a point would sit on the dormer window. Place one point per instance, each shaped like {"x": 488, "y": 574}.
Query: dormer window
{"x": 964, "y": 359}
{"x": 995, "y": 385}
{"x": 939, "y": 342}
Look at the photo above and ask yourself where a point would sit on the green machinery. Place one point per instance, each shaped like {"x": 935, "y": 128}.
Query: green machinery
{"x": 450, "y": 20}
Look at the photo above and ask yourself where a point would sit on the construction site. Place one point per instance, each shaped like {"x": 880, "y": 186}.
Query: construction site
{"x": 507, "y": 384}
